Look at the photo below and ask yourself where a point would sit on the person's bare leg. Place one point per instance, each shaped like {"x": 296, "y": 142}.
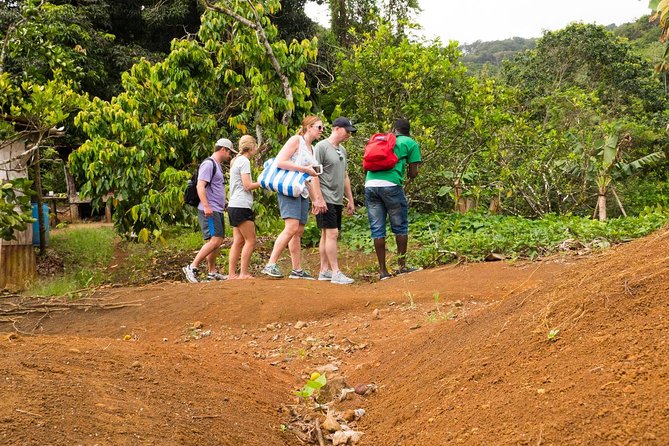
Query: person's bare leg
{"x": 402, "y": 242}
{"x": 331, "y": 236}
{"x": 212, "y": 245}
{"x": 295, "y": 248}
{"x": 235, "y": 252}
{"x": 211, "y": 260}
{"x": 380, "y": 248}
{"x": 291, "y": 226}
{"x": 321, "y": 250}
{"x": 248, "y": 231}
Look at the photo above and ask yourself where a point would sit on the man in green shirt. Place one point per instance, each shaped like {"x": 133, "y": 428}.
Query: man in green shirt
{"x": 384, "y": 196}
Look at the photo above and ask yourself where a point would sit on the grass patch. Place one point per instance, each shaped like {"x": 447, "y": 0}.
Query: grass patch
{"x": 86, "y": 254}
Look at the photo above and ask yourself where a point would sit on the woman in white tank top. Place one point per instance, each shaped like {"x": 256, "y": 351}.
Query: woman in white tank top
{"x": 297, "y": 154}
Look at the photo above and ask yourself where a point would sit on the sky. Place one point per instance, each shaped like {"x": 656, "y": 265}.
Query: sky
{"x": 470, "y": 20}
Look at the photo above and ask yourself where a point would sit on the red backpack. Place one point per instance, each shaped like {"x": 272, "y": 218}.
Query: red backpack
{"x": 379, "y": 153}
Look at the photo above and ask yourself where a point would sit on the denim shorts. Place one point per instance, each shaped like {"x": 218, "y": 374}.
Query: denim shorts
{"x": 390, "y": 201}
{"x": 213, "y": 226}
{"x": 294, "y": 207}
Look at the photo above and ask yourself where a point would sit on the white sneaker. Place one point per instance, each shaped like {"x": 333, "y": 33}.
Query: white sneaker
{"x": 190, "y": 273}
{"x": 216, "y": 276}
{"x": 325, "y": 275}
{"x": 341, "y": 279}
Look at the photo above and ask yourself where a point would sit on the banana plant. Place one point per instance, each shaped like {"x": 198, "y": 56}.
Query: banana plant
{"x": 605, "y": 164}
{"x": 609, "y": 165}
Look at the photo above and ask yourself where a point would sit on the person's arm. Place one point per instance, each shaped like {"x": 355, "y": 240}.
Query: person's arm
{"x": 350, "y": 206}
{"x": 285, "y": 154}
{"x": 413, "y": 170}
{"x": 413, "y": 160}
{"x": 248, "y": 184}
{"x": 202, "y": 193}
{"x": 318, "y": 204}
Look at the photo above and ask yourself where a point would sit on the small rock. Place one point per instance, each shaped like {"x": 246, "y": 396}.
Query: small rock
{"x": 197, "y": 325}
{"x": 348, "y": 415}
{"x": 136, "y": 365}
{"x": 414, "y": 327}
{"x": 339, "y": 437}
{"x": 376, "y": 313}
{"x": 328, "y": 368}
{"x": 330, "y": 424}
{"x": 245, "y": 366}
{"x": 541, "y": 391}
{"x": 12, "y": 336}
{"x": 74, "y": 350}
{"x": 300, "y": 325}
{"x": 457, "y": 303}
{"x": 361, "y": 389}
{"x": 165, "y": 339}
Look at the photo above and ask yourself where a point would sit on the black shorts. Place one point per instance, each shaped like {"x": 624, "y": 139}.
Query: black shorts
{"x": 332, "y": 218}
{"x": 237, "y": 216}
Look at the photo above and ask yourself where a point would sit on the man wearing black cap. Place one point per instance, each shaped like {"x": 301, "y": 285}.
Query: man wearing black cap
{"x": 384, "y": 196}
{"x": 335, "y": 184}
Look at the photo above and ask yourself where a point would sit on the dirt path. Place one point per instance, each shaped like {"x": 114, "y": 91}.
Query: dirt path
{"x": 460, "y": 354}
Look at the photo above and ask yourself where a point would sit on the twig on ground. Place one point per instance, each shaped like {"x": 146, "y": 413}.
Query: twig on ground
{"x": 29, "y": 413}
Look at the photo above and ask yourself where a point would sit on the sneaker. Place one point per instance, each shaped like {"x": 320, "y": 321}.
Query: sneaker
{"x": 341, "y": 279}
{"x": 272, "y": 270}
{"x": 216, "y": 276}
{"x": 385, "y": 276}
{"x": 190, "y": 273}
{"x": 407, "y": 270}
{"x": 300, "y": 274}
{"x": 325, "y": 275}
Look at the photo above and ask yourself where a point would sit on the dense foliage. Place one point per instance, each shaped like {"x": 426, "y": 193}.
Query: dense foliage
{"x": 573, "y": 123}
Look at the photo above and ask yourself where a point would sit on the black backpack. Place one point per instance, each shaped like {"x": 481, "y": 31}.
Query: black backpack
{"x": 190, "y": 195}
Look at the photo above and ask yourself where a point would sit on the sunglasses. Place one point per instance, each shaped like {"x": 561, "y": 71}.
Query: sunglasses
{"x": 319, "y": 127}
{"x": 341, "y": 155}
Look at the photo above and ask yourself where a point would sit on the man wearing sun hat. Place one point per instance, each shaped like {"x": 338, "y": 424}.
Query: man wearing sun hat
{"x": 211, "y": 190}
{"x": 335, "y": 185}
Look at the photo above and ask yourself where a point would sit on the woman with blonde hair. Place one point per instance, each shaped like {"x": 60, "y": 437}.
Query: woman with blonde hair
{"x": 297, "y": 154}
{"x": 240, "y": 209}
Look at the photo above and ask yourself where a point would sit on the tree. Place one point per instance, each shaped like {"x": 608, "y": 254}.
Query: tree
{"x": 455, "y": 118}
{"x": 590, "y": 58}
{"x": 235, "y": 78}
{"x": 35, "y": 100}
{"x": 361, "y": 16}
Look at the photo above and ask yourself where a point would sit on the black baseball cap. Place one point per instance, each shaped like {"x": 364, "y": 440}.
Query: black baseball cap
{"x": 344, "y": 123}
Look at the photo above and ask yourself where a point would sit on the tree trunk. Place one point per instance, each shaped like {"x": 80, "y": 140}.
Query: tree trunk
{"x": 601, "y": 204}
{"x": 495, "y": 205}
{"x": 72, "y": 196}
{"x": 40, "y": 214}
{"x": 460, "y": 202}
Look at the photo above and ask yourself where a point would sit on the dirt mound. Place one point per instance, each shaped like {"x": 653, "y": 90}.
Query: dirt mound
{"x": 570, "y": 351}
{"x": 501, "y": 378}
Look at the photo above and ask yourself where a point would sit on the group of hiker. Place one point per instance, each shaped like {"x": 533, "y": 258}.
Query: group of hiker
{"x": 327, "y": 194}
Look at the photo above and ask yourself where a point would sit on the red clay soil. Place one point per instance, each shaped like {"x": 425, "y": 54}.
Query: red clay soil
{"x": 459, "y": 354}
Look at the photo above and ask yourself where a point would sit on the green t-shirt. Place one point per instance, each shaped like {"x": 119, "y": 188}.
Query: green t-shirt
{"x": 407, "y": 151}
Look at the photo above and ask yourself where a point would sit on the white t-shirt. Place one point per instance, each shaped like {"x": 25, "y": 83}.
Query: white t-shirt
{"x": 239, "y": 198}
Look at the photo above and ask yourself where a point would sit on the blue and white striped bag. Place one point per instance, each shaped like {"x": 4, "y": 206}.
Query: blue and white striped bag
{"x": 286, "y": 182}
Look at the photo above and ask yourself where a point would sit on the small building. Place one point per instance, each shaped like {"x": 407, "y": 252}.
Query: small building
{"x": 18, "y": 264}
